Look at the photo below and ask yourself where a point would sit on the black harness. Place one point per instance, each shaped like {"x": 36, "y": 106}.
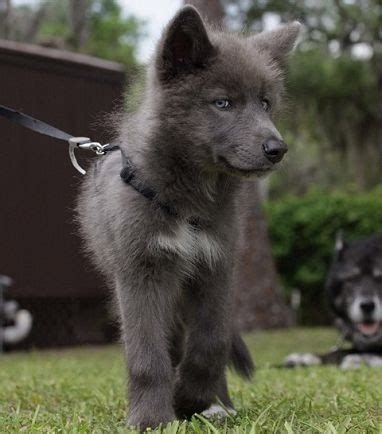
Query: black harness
{"x": 128, "y": 174}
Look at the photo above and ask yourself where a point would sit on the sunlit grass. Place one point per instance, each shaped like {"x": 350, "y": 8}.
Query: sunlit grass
{"x": 82, "y": 391}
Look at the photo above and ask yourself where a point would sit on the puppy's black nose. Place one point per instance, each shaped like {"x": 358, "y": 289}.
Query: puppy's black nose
{"x": 367, "y": 306}
{"x": 275, "y": 149}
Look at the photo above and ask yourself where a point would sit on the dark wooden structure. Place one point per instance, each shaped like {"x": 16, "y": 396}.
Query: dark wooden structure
{"x": 39, "y": 246}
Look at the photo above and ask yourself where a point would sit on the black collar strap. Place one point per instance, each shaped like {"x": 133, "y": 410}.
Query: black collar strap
{"x": 129, "y": 176}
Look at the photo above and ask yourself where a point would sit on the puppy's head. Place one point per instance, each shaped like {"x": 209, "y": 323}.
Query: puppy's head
{"x": 218, "y": 93}
{"x": 355, "y": 291}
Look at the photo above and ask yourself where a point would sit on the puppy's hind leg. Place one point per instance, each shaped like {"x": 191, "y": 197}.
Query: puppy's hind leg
{"x": 201, "y": 380}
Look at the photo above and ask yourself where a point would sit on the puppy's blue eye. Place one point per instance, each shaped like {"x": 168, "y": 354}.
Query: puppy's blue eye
{"x": 222, "y": 104}
{"x": 265, "y": 103}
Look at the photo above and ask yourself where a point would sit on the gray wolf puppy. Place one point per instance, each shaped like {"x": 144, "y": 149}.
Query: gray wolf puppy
{"x": 354, "y": 289}
{"x": 205, "y": 122}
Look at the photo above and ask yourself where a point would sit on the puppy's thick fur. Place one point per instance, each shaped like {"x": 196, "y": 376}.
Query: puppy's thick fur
{"x": 205, "y": 116}
{"x": 354, "y": 289}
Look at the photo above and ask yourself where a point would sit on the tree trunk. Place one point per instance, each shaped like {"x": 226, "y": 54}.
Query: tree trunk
{"x": 357, "y": 148}
{"x": 258, "y": 294}
{"x": 35, "y": 23}
{"x": 5, "y": 18}
{"x": 79, "y": 10}
{"x": 259, "y": 300}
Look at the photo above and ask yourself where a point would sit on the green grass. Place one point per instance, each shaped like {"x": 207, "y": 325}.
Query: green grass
{"x": 82, "y": 391}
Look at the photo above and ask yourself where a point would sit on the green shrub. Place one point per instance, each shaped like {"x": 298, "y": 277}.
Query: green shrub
{"x": 303, "y": 230}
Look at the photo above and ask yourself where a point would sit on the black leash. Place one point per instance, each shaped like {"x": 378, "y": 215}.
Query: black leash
{"x": 33, "y": 124}
{"x": 129, "y": 173}
{"x": 48, "y": 130}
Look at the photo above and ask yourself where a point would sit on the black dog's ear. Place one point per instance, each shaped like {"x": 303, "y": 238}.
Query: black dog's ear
{"x": 340, "y": 243}
{"x": 185, "y": 45}
{"x": 279, "y": 42}
{"x": 333, "y": 289}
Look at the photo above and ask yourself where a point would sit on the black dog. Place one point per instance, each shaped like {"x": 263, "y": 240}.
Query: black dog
{"x": 354, "y": 289}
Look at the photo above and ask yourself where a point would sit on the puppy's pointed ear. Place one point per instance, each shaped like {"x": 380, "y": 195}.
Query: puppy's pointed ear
{"x": 185, "y": 45}
{"x": 279, "y": 42}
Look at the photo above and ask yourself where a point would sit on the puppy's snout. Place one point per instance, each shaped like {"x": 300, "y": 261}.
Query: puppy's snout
{"x": 367, "y": 306}
{"x": 274, "y": 149}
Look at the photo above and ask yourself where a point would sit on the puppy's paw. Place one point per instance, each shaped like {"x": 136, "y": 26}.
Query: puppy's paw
{"x": 188, "y": 400}
{"x": 301, "y": 359}
{"x": 186, "y": 408}
{"x": 216, "y": 411}
{"x": 141, "y": 422}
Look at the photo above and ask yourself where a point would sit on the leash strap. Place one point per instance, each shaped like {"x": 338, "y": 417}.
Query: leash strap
{"x": 48, "y": 130}
{"x": 128, "y": 173}
{"x": 33, "y": 124}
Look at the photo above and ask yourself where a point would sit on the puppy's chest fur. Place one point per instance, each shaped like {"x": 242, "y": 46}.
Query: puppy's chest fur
{"x": 191, "y": 244}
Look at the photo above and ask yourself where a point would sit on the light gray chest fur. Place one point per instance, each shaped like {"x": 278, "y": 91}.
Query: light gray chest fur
{"x": 190, "y": 244}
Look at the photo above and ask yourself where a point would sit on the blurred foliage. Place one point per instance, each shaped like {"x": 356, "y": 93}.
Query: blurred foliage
{"x": 113, "y": 36}
{"x": 303, "y": 232}
{"x": 335, "y": 82}
{"x": 95, "y": 27}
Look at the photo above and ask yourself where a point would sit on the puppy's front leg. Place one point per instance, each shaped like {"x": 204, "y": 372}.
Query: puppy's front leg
{"x": 201, "y": 373}
{"x": 147, "y": 308}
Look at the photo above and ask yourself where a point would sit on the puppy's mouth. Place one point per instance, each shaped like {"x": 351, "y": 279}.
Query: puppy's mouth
{"x": 258, "y": 171}
{"x": 369, "y": 328}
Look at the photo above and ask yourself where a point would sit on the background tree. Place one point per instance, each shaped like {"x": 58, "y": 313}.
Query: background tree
{"x": 95, "y": 27}
{"x": 79, "y": 11}
{"x": 259, "y": 301}
{"x": 5, "y": 16}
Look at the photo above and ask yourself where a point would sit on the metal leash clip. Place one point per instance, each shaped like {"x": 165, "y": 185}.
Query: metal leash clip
{"x": 83, "y": 143}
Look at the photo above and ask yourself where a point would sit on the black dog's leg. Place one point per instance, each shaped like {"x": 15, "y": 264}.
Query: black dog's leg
{"x": 208, "y": 341}
{"x": 146, "y": 314}
{"x": 340, "y": 357}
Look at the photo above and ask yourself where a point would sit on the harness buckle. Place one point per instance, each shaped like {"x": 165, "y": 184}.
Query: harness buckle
{"x": 83, "y": 143}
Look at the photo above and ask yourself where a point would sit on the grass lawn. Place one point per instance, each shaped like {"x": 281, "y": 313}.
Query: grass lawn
{"x": 82, "y": 391}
